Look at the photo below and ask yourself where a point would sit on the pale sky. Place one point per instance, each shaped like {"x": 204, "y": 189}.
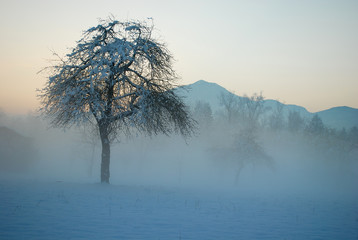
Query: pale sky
{"x": 302, "y": 52}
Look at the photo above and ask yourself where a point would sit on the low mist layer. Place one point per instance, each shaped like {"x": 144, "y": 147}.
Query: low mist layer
{"x": 219, "y": 158}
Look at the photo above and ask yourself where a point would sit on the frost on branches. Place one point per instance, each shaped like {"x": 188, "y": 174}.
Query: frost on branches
{"x": 118, "y": 75}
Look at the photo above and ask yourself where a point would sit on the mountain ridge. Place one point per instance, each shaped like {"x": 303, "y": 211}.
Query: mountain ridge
{"x": 335, "y": 117}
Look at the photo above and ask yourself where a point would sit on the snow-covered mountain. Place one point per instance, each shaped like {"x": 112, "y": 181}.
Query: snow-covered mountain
{"x": 202, "y": 91}
{"x": 337, "y": 117}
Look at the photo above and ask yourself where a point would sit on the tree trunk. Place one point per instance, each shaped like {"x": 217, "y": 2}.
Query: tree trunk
{"x": 106, "y": 154}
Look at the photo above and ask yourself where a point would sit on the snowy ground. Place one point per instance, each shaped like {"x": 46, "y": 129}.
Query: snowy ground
{"x": 60, "y": 210}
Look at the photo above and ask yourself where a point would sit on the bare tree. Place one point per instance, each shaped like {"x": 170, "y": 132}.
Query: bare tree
{"x": 246, "y": 150}
{"x": 245, "y": 112}
{"x": 203, "y": 114}
{"x": 254, "y": 107}
{"x": 315, "y": 126}
{"x": 118, "y": 77}
{"x": 295, "y": 122}
{"x": 230, "y": 102}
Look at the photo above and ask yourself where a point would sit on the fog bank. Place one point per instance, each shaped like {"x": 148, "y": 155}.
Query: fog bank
{"x": 276, "y": 162}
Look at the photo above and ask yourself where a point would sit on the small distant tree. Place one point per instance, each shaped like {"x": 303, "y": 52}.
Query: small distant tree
{"x": 230, "y": 102}
{"x": 295, "y": 122}
{"x": 118, "y": 77}
{"x": 315, "y": 126}
{"x": 245, "y": 111}
{"x": 353, "y": 136}
{"x": 251, "y": 110}
{"x": 343, "y": 135}
{"x": 246, "y": 150}
{"x": 203, "y": 114}
{"x": 255, "y": 107}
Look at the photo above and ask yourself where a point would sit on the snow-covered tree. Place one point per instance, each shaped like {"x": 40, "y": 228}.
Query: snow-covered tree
{"x": 117, "y": 77}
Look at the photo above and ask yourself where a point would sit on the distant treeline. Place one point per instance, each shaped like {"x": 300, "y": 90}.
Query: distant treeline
{"x": 248, "y": 120}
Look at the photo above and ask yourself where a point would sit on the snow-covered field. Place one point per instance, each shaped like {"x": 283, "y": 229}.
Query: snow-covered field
{"x": 62, "y": 210}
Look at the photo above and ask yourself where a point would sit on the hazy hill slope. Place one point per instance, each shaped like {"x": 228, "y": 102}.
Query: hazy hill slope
{"x": 339, "y": 117}
{"x": 16, "y": 151}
